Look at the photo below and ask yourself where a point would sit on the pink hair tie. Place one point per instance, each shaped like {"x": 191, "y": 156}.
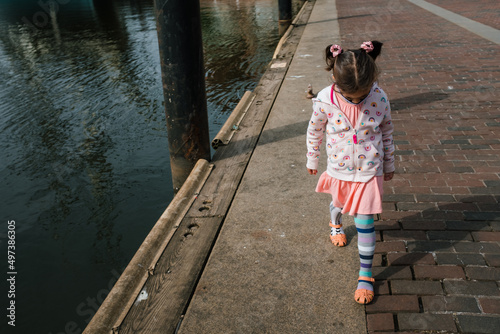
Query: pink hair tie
{"x": 335, "y": 50}
{"x": 367, "y": 46}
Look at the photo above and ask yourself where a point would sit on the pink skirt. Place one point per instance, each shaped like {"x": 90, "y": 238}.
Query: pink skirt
{"x": 354, "y": 197}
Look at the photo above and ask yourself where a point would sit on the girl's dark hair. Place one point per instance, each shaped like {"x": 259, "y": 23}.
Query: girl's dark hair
{"x": 354, "y": 70}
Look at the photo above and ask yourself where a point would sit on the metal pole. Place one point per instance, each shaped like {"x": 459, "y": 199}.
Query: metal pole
{"x": 183, "y": 76}
{"x": 285, "y": 15}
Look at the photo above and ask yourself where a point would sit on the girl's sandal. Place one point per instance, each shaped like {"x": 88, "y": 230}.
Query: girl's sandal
{"x": 364, "y": 296}
{"x": 340, "y": 239}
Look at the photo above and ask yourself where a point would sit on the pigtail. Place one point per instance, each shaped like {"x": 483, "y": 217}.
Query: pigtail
{"x": 332, "y": 51}
{"x": 372, "y": 48}
{"x": 377, "y": 49}
{"x": 330, "y": 61}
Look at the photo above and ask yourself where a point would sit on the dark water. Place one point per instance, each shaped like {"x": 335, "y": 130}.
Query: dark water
{"x": 84, "y": 164}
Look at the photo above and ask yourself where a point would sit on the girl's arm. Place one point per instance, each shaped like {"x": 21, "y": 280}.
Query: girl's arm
{"x": 315, "y": 133}
{"x": 387, "y": 128}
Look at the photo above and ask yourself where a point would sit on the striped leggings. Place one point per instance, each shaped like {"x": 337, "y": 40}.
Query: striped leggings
{"x": 366, "y": 242}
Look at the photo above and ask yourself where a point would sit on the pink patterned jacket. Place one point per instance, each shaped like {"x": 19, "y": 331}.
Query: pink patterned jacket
{"x": 357, "y": 152}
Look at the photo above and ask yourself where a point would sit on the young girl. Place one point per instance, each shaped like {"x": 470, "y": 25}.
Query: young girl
{"x": 355, "y": 113}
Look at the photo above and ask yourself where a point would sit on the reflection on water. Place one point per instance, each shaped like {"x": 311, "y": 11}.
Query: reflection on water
{"x": 85, "y": 169}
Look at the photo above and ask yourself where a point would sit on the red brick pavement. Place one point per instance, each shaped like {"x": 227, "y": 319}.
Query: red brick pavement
{"x": 485, "y": 11}
{"x": 438, "y": 253}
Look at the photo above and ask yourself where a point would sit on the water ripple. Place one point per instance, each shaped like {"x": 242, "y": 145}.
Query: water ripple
{"x": 85, "y": 164}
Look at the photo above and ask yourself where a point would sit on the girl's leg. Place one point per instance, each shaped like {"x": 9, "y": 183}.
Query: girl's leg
{"x": 337, "y": 235}
{"x": 366, "y": 247}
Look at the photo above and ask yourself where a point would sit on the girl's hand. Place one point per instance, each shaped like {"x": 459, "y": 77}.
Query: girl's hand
{"x": 388, "y": 176}
{"x": 312, "y": 171}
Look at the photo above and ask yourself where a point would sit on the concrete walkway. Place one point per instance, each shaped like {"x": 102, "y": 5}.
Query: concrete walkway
{"x": 273, "y": 268}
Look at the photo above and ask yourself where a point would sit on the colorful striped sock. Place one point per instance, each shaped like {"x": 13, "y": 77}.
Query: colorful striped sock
{"x": 366, "y": 247}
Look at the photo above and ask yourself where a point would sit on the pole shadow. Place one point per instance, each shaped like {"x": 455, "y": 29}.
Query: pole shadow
{"x": 300, "y": 128}
{"x": 408, "y": 102}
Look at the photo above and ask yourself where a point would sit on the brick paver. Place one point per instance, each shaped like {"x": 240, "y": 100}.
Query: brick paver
{"x": 439, "y": 234}
{"x": 485, "y": 12}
